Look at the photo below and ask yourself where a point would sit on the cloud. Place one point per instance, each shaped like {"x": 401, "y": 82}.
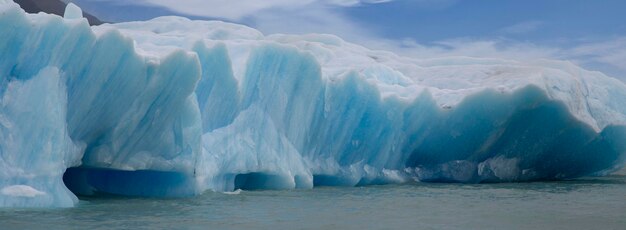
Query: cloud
{"x": 316, "y": 19}
{"x": 522, "y": 27}
{"x": 354, "y": 2}
{"x": 237, "y": 10}
{"x": 611, "y": 52}
{"x": 227, "y": 9}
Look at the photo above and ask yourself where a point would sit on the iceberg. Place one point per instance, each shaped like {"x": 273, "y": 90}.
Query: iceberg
{"x": 173, "y": 107}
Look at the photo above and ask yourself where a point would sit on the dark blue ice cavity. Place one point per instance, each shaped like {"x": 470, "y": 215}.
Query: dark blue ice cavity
{"x": 524, "y": 136}
{"x": 145, "y": 183}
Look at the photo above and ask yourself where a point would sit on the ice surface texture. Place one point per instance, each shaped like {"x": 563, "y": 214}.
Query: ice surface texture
{"x": 173, "y": 107}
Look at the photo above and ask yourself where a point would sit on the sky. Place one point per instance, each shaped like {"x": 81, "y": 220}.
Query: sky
{"x": 590, "y": 33}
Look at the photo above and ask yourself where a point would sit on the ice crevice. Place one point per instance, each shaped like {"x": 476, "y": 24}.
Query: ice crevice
{"x": 173, "y": 107}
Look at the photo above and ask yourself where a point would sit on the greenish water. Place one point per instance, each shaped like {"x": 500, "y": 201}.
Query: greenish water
{"x": 590, "y": 203}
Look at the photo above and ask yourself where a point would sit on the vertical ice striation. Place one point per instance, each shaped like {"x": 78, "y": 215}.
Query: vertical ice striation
{"x": 173, "y": 107}
{"x": 35, "y": 146}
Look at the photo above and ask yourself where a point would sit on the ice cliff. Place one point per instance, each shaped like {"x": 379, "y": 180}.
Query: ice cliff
{"x": 172, "y": 107}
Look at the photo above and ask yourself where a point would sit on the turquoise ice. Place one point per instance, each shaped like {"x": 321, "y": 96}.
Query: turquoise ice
{"x": 172, "y": 107}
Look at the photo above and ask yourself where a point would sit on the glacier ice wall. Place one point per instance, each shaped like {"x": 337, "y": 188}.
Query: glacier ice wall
{"x": 172, "y": 107}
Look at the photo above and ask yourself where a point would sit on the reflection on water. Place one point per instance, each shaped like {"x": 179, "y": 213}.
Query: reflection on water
{"x": 585, "y": 203}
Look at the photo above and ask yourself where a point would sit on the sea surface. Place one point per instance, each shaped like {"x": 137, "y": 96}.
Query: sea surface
{"x": 587, "y": 203}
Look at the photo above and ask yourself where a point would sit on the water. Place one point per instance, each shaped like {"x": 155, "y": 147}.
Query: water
{"x": 590, "y": 203}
